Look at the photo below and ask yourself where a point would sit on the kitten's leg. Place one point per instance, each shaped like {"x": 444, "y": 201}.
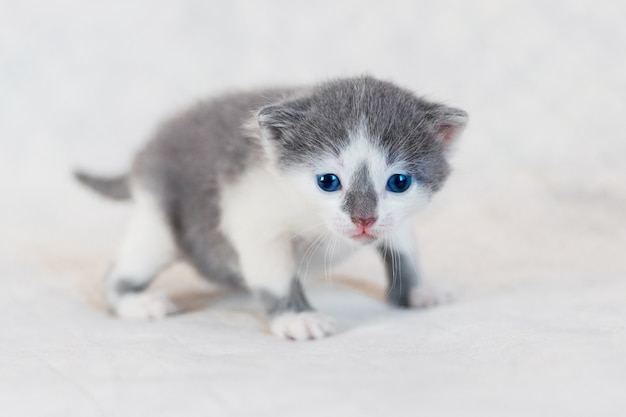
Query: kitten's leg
{"x": 148, "y": 247}
{"x": 269, "y": 270}
{"x": 405, "y": 286}
{"x": 292, "y": 316}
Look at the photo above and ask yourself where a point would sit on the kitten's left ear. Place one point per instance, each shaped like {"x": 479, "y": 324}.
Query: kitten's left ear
{"x": 449, "y": 123}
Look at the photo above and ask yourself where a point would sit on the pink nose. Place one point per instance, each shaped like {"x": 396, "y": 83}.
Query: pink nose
{"x": 364, "y": 221}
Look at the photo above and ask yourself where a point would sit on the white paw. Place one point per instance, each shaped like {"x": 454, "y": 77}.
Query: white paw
{"x": 144, "y": 306}
{"x": 424, "y": 297}
{"x": 302, "y": 326}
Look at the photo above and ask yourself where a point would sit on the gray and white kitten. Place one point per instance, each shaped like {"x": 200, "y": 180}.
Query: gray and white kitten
{"x": 245, "y": 186}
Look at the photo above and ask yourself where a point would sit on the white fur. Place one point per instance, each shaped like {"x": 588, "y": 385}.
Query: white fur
{"x": 316, "y": 256}
{"x": 261, "y": 214}
{"x": 302, "y": 326}
{"x": 144, "y": 306}
{"x": 147, "y": 247}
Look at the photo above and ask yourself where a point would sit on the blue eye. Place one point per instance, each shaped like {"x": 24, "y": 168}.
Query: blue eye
{"x": 398, "y": 183}
{"x": 328, "y": 182}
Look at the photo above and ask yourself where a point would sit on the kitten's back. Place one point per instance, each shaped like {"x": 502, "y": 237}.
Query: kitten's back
{"x": 187, "y": 162}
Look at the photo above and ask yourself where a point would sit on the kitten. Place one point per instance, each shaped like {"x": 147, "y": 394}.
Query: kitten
{"x": 247, "y": 186}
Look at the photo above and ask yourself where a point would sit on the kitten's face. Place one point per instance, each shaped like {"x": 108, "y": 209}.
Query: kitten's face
{"x": 359, "y": 194}
{"x": 367, "y": 154}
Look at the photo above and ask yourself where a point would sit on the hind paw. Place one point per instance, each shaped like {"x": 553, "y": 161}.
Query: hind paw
{"x": 144, "y": 306}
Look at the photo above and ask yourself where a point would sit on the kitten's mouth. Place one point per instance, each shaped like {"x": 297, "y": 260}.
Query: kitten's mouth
{"x": 364, "y": 237}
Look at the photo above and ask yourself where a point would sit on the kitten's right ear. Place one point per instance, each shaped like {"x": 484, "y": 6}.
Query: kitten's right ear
{"x": 277, "y": 120}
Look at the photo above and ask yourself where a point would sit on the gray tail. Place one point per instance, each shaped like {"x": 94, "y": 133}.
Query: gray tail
{"x": 115, "y": 188}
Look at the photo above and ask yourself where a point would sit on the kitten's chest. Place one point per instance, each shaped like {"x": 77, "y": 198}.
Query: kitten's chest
{"x": 259, "y": 208}
{"x": 316, "y": 255}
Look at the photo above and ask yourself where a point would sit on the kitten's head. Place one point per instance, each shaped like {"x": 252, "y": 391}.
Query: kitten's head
{"x": 367, "y": 153}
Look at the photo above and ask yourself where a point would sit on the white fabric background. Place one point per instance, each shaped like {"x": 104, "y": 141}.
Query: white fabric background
{"x": 530, "y": 232}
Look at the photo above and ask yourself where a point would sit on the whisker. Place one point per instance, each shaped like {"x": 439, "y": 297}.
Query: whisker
{"x": 394, "y": 249}
{"x": 320, "y": 242}
{"x": 332, "y": 255}
{"x": 304, "y": 256}
{"x": 328, "y": 247}
{"x": 393, "y": 266}
{"x": 299, "y": 233}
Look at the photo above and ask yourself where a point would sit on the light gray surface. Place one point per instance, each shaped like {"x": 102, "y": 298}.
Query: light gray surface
{"x": 530, "y": 232}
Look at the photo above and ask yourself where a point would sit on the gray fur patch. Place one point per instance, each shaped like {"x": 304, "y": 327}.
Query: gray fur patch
{"x": 124, "y": 286}
{"x": 401, "y": 276}
{"x": 295, "y": 301}
{"x": 361, "y": 199}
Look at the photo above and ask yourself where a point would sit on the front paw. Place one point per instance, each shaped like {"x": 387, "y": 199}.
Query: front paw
{"x": 425, "y": 297}
{"x": 307, "y": 325}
